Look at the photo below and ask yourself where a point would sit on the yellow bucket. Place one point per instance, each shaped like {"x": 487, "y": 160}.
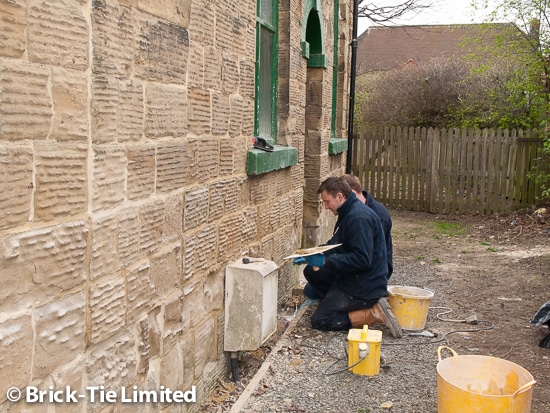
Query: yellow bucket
{"x": 410, "y": 305}
{"x": 482, "y": 384}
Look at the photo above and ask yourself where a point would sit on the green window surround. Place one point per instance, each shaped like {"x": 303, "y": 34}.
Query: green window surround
{"x": 335, "y": 145}
{"x": 265, "y": 120}
{"x": 265, "y": 99}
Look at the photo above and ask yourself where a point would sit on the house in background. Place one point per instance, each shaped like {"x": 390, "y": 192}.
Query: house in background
{"x": 129, "y": 181}
{"x": 391, "y": 47}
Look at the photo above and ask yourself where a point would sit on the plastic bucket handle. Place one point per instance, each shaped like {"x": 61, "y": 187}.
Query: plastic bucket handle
{"x": 447, "y": 348}
{"x": 523, "y": 388}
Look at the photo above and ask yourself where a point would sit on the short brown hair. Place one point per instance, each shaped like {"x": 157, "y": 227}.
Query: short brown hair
{"x": 353, "y": 182}
{"x": 333, "y": 185}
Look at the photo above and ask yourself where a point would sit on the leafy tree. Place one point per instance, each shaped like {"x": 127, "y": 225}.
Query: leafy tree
{"x": 532, "y": 20}
{"x": 447, "y": 93}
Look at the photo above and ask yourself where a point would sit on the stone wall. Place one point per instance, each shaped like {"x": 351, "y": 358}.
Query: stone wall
{"x": 124, "y": 131}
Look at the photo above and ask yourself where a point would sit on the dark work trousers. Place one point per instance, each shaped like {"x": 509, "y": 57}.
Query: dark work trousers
{"x": 332, "y": 312}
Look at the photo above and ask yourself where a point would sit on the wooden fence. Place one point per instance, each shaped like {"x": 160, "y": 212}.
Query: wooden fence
{"x": 449, "y": 171}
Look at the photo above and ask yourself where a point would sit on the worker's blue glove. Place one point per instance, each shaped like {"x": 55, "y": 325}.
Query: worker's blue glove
{"x": 315, "y": 260}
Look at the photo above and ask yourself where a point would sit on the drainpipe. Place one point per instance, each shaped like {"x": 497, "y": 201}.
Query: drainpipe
{"x": 352, "y": 85}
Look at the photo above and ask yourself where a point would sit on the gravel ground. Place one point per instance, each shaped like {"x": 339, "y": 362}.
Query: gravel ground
{"x": 496, "y": 267}
{"x": 307, "y": 372}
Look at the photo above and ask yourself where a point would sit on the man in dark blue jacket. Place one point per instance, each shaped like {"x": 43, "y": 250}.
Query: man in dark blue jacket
{"x": 350, "y": 280}
{"x": 381, "y": 211}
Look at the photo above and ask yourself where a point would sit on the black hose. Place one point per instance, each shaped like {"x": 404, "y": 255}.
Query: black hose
{"x": 235, "y": 366}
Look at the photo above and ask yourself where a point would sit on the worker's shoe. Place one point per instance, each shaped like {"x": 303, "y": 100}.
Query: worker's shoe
{"x": 379, "y": 314}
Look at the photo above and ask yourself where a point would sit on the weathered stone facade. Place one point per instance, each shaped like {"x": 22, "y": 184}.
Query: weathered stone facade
{"x": 125, "y": 127}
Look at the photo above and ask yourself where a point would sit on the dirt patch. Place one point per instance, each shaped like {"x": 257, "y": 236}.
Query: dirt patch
{"x": 494, "y": 267}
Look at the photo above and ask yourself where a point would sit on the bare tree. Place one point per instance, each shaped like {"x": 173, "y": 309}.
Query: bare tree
{"x": 387, "y": 13}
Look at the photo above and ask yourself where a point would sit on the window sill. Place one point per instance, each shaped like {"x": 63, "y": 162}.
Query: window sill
{"x": 337, "y": 145}
{"x": 260, "y": 162}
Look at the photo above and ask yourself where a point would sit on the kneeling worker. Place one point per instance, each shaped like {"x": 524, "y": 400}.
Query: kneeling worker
{"x": 349, "y": 280}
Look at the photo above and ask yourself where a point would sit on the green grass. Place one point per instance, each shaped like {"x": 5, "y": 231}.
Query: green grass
{"x": 449, "y": 229}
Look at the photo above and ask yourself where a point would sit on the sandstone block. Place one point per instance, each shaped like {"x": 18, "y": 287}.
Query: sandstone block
{"x": 109, "y": 176}
{"x": 236, "y": 107}
{"x": 149, "y": 342}
{"x": 55, "y": 27}
{"x": 200, "y": 111}
{"x": 130, "y": 112}
{"x": 16, "y": 337}
{"x": 70, "y": 101}
{"x": 141, "y": 292}
{"x": 246, "y": 78}
{"x": 171, "y": 167}
{"x": 200, "y": 251}
{"x": 220, "y": 113}
{"x": 25, "y": 102}
{"x": 230, "y": 67}
{"x": 195, "y": 207}
{"x": 127, "y": 237}
{"x": 141, "y": 172}
{"x": 16, "y": 183}
{"x": 44, "y": 261}
{"x": 150, "y": 232}
{"x": 171, "y": 368}
{"x": 113, "y": 362}
{"x": 203, "y": 17}
{"x": 224, "y": 198}
{"x": 161, "y": 49}
{"x": 113, "y": 39}
{"x": 104, "y": 240}
{"x": 194, "y": 309}
{"x": 60, "y": 333}
{"x": 166, "y": 270}
{"x": 174, "y": 323}
{"x": 107, "y": 308}
{"x": 104, "y": 108}
{"x": 12, "y": 31}
{"x": 176, "y": 11}
{"x": 166, "y": 111}
{"x": 231, "y": 236}
{"x": 61, "y": 180}
{"x": 212, "y": 68}
{"x": 205, "y": 349}
{"x": 173, "y": 219}
{"x": 195, "y": 69}
{"x": 214, "y": 289}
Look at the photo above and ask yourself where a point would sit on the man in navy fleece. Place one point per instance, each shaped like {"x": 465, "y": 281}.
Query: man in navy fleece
{"x": 350, "y": 280}
{"x": 381, "y": 211}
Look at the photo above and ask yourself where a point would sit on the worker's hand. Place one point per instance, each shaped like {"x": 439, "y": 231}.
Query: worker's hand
{"x": 315, "y": 260}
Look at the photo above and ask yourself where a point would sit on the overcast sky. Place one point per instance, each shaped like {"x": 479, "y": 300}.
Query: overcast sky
{"x": 442, "y": 12}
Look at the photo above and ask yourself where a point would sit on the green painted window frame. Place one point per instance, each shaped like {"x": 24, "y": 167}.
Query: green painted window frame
{"x": 266, "y": 81}
{"x": 258, "y": 161}
{"x": 336, "y": 144}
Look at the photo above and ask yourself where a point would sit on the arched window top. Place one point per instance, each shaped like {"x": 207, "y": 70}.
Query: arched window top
{"x": 313, "y": 38}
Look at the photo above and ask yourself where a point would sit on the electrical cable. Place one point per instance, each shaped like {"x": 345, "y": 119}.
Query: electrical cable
{"x": 446, "y": 312}
{"x": 444, "y": 337}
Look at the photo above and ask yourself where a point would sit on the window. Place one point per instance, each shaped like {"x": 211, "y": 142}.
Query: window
{"x": 265, "y": 120}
